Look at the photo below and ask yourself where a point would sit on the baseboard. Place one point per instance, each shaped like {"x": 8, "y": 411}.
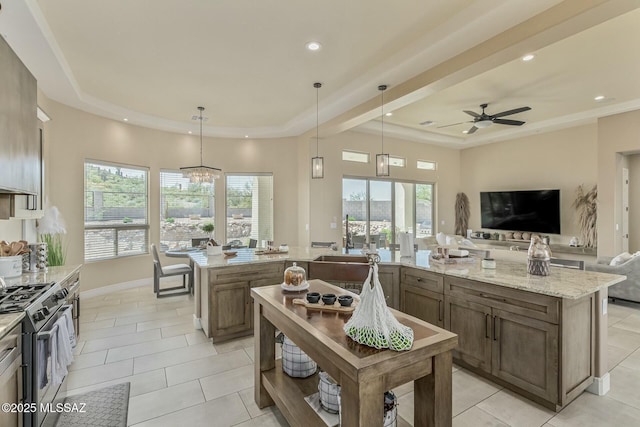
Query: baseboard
{"x": 601, "y": 385}
{"x": 116, "y": 287}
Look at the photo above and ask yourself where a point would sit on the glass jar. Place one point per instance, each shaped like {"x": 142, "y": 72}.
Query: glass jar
{"x": 295, "y": 276}
{"x": 538, "y": 257}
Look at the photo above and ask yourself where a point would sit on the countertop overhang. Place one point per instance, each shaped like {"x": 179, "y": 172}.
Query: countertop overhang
{"x": 561, "y": 283}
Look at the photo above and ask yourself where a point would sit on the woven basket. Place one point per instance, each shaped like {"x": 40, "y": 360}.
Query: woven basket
{"x": 538, "y": 267}
{"x": 295, "y": 362}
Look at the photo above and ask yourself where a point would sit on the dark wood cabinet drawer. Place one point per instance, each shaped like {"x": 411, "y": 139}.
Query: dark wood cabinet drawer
{"x": 422, "y": 279}
{"x": 270, "y": 271}
{"x": 535, "y": 306}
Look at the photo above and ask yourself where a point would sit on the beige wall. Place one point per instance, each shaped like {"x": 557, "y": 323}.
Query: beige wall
{"x": 618, "y": 135}
{"x": 325, "y": 195}
{"x": 634, "y": 203}
{"x": 561, "y": 160}
{"x": 74, "y": 136}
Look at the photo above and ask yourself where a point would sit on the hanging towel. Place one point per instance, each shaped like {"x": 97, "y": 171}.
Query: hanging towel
{"x": 60, "y": 350}
{"x": 43, "y": 357}
{"x": 406, "y": 244}
{"x": 70, "y": 328}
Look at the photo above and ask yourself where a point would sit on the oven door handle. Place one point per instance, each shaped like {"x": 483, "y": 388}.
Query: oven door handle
{"x": 47, "y": 334}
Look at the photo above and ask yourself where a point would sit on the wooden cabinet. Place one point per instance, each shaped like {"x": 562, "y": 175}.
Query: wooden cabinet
{"x": 230, "y": 305}
{"x": 389, "y": 276}
{"x": 421, "y": 295}
{"x": 472, "y": 323}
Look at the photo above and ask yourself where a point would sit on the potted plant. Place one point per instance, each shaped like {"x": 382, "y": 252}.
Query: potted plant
{"x": 208, "y": 228}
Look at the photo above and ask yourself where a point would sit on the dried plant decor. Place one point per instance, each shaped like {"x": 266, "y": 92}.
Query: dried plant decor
{"x": 463, "y": 211}
{"x": 586, "y": 204}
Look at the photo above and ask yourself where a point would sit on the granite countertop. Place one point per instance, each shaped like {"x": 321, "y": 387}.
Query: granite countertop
{"x": 561, "y": 283}
{"x": 53, "y": 274}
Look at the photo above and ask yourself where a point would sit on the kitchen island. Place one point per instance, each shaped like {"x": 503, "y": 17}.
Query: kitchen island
{"x": 544, "y": 337}
{"x": 363, "y": 373}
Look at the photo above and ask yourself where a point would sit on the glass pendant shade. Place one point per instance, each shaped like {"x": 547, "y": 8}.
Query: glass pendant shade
{"x": 382, "y": 165}
{"x": 317, "y": 167}
{"x": 201, "y": 173}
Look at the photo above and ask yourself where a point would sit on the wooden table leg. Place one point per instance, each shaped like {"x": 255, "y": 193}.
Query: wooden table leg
{"x": 432, "y": 394}
{"x": 265, "y": 354}
{"x": 362, "y": 404}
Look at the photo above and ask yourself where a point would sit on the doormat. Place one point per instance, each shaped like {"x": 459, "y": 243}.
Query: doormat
{"x": 106, "y": 407}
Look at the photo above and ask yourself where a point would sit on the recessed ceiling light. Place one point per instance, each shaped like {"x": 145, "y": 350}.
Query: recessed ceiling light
{"x": 389, "y": 114}
{"x": 465, "y": 131}
{"x": 313, "y": 46}
{"x": 246, "y": 136}
{"x": 190, "y": 132}
{"x": 125, "y": 119}
{"x": 528, "y": 57}
{"x": 599, "y": 98}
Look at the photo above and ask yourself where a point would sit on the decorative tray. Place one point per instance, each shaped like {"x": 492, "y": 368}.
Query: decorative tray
{"x": 290, "y": 288}
{"x": 267, "y": 252}
{"x": 322, "y": 306}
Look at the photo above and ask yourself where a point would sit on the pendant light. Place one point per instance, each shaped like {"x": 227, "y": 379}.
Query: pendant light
{"x": 382, "y": 159}
{"x": 201, "y": 173}
{"x": 317, "y": 162}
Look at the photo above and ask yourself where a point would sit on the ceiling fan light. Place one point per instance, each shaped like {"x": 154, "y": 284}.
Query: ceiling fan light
{"x": 481, "y": 124}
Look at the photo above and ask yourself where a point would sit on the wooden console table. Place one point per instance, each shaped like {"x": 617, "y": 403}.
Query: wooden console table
{"x": 364, "y": 373}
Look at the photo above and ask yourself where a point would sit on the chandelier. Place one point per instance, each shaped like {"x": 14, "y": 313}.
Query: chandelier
{"x": 197, "y": 174}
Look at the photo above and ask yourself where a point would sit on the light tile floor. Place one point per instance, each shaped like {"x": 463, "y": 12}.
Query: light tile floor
{"x": 178, "y": 377}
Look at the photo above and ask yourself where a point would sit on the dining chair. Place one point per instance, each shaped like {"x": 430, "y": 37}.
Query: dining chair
{"x": 199, "y": 241}
{"x": 159, "y": 272}
{"x": 567, "y": 263}
{"x": 253, "y": 243}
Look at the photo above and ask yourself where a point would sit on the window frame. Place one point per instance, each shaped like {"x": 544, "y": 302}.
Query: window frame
{"x": 356, "y": 152}
{"x": 226, "y": 200}
{"x": 434, "y": 163}
{"x": 116, "y": 227}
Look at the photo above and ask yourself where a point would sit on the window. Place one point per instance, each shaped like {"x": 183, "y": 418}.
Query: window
{"x": 399, "y": 162}
{"x": 380, "y": 209}
{"x": 355, "y": 156}
{"x": 184, "y": 208}
{"x": 249, "y": 208}
{"x": 115, "y": 211}
{"x": 426, "y": 165}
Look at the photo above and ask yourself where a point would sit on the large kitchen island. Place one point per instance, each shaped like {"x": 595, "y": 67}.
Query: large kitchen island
{"x": 543, "y": 337}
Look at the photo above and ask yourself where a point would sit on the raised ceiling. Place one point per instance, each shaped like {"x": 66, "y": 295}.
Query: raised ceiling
{"x": 155, "y": 61}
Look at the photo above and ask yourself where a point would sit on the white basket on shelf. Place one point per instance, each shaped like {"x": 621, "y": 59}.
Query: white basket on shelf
{"x": 295, "y": 362}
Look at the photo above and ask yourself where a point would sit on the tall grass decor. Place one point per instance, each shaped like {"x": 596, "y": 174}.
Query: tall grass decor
{"x": 586, "y": 204}
{"x": 463, "y": 211}
{"x": 50, "y": 229}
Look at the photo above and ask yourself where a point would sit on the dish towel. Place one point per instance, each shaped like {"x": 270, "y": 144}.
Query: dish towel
{"x": 61, "y": 352}
{"x": 70, "y": 328}
{"x": 406, "y": 244}
{"x": 43, "y": 358}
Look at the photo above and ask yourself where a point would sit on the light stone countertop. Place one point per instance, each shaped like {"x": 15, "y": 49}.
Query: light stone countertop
{"x": 561, "y": 283}
{"x": 53, "y": 274}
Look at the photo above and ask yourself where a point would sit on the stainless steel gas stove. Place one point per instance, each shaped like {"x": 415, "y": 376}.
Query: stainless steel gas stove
{"x": 43, "y": 304}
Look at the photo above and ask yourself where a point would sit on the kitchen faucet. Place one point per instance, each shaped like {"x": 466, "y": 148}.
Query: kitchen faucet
{"x": 348, "y": 243}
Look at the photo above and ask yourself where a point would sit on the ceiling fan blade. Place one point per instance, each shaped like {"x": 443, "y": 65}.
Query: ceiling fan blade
{"x": 453, "y": 124}
{"x": 508, "y": 122}
{"x": 471, "y": 113}
{"x": 510, "y": 112}
{"x": 472, "y": 130}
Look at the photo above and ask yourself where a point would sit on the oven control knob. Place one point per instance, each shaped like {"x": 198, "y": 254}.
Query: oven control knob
{"x": 45, "y": 311}
{"x": 38, "y": 315}
{"x": 60, "y": 295}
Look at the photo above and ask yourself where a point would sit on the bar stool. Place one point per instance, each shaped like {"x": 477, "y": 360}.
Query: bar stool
{"x": 159, "y": 272}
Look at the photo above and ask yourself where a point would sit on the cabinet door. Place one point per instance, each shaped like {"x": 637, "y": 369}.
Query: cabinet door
{"x": 390, "y": 280}
{"x": 525, "y": 353}
{"x": 423, "y": 304}
{"x": 472, "y": 323}
{"x": 232, "y": 302}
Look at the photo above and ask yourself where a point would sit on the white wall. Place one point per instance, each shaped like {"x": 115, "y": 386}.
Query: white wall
{"x": 634, "y": 202}
{"x": 325, "y": 195}
{"x": 561, "y": 160}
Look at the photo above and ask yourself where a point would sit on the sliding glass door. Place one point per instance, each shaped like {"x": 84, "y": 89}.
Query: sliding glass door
{"x": 378, "y": 210}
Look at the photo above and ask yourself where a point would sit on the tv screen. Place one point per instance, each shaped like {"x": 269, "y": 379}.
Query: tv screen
{"x": 537, "y": 210}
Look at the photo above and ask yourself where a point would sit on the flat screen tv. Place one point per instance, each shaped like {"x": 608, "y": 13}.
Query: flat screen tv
{"x": 532, "y": 210}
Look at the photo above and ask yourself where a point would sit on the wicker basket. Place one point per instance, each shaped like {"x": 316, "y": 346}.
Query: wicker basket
{"x": 538, "y": 267}
{"x": 295, "y": 362}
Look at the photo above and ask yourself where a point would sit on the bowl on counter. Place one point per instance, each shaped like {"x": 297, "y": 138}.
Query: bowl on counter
{"x": 345, "y": 300}
{"x": 328, "y": 299}
{"x": 229, "y": 254}
{"x": 313, "y": 297}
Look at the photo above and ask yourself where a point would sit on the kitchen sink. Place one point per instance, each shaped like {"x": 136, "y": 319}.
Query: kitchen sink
{"x": 343, "y": 258}
{"x": 342, "y": 268}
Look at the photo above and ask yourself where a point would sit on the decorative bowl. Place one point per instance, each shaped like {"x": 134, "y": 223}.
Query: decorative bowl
{"x": 313, "y": 297}
{"x": 345, "y": 300}
{"x": 329, "y": 299}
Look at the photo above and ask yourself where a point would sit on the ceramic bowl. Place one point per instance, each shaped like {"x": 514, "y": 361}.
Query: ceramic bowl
{"x": 329, "y": 299}
{"x": 345, "y": 300}
{"x": 313, "y": 297}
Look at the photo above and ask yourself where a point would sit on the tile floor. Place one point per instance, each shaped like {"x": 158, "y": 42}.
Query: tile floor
{"x": 178, "y": 377}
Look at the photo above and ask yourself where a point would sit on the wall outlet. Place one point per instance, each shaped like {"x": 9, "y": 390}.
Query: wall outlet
{"x": 306, "y": 227}
{"x": 604, "y": 306}
{"x": 334, "y": 225}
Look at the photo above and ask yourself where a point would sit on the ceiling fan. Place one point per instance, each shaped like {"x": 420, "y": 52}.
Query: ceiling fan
{"x": 483, "y": 120}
